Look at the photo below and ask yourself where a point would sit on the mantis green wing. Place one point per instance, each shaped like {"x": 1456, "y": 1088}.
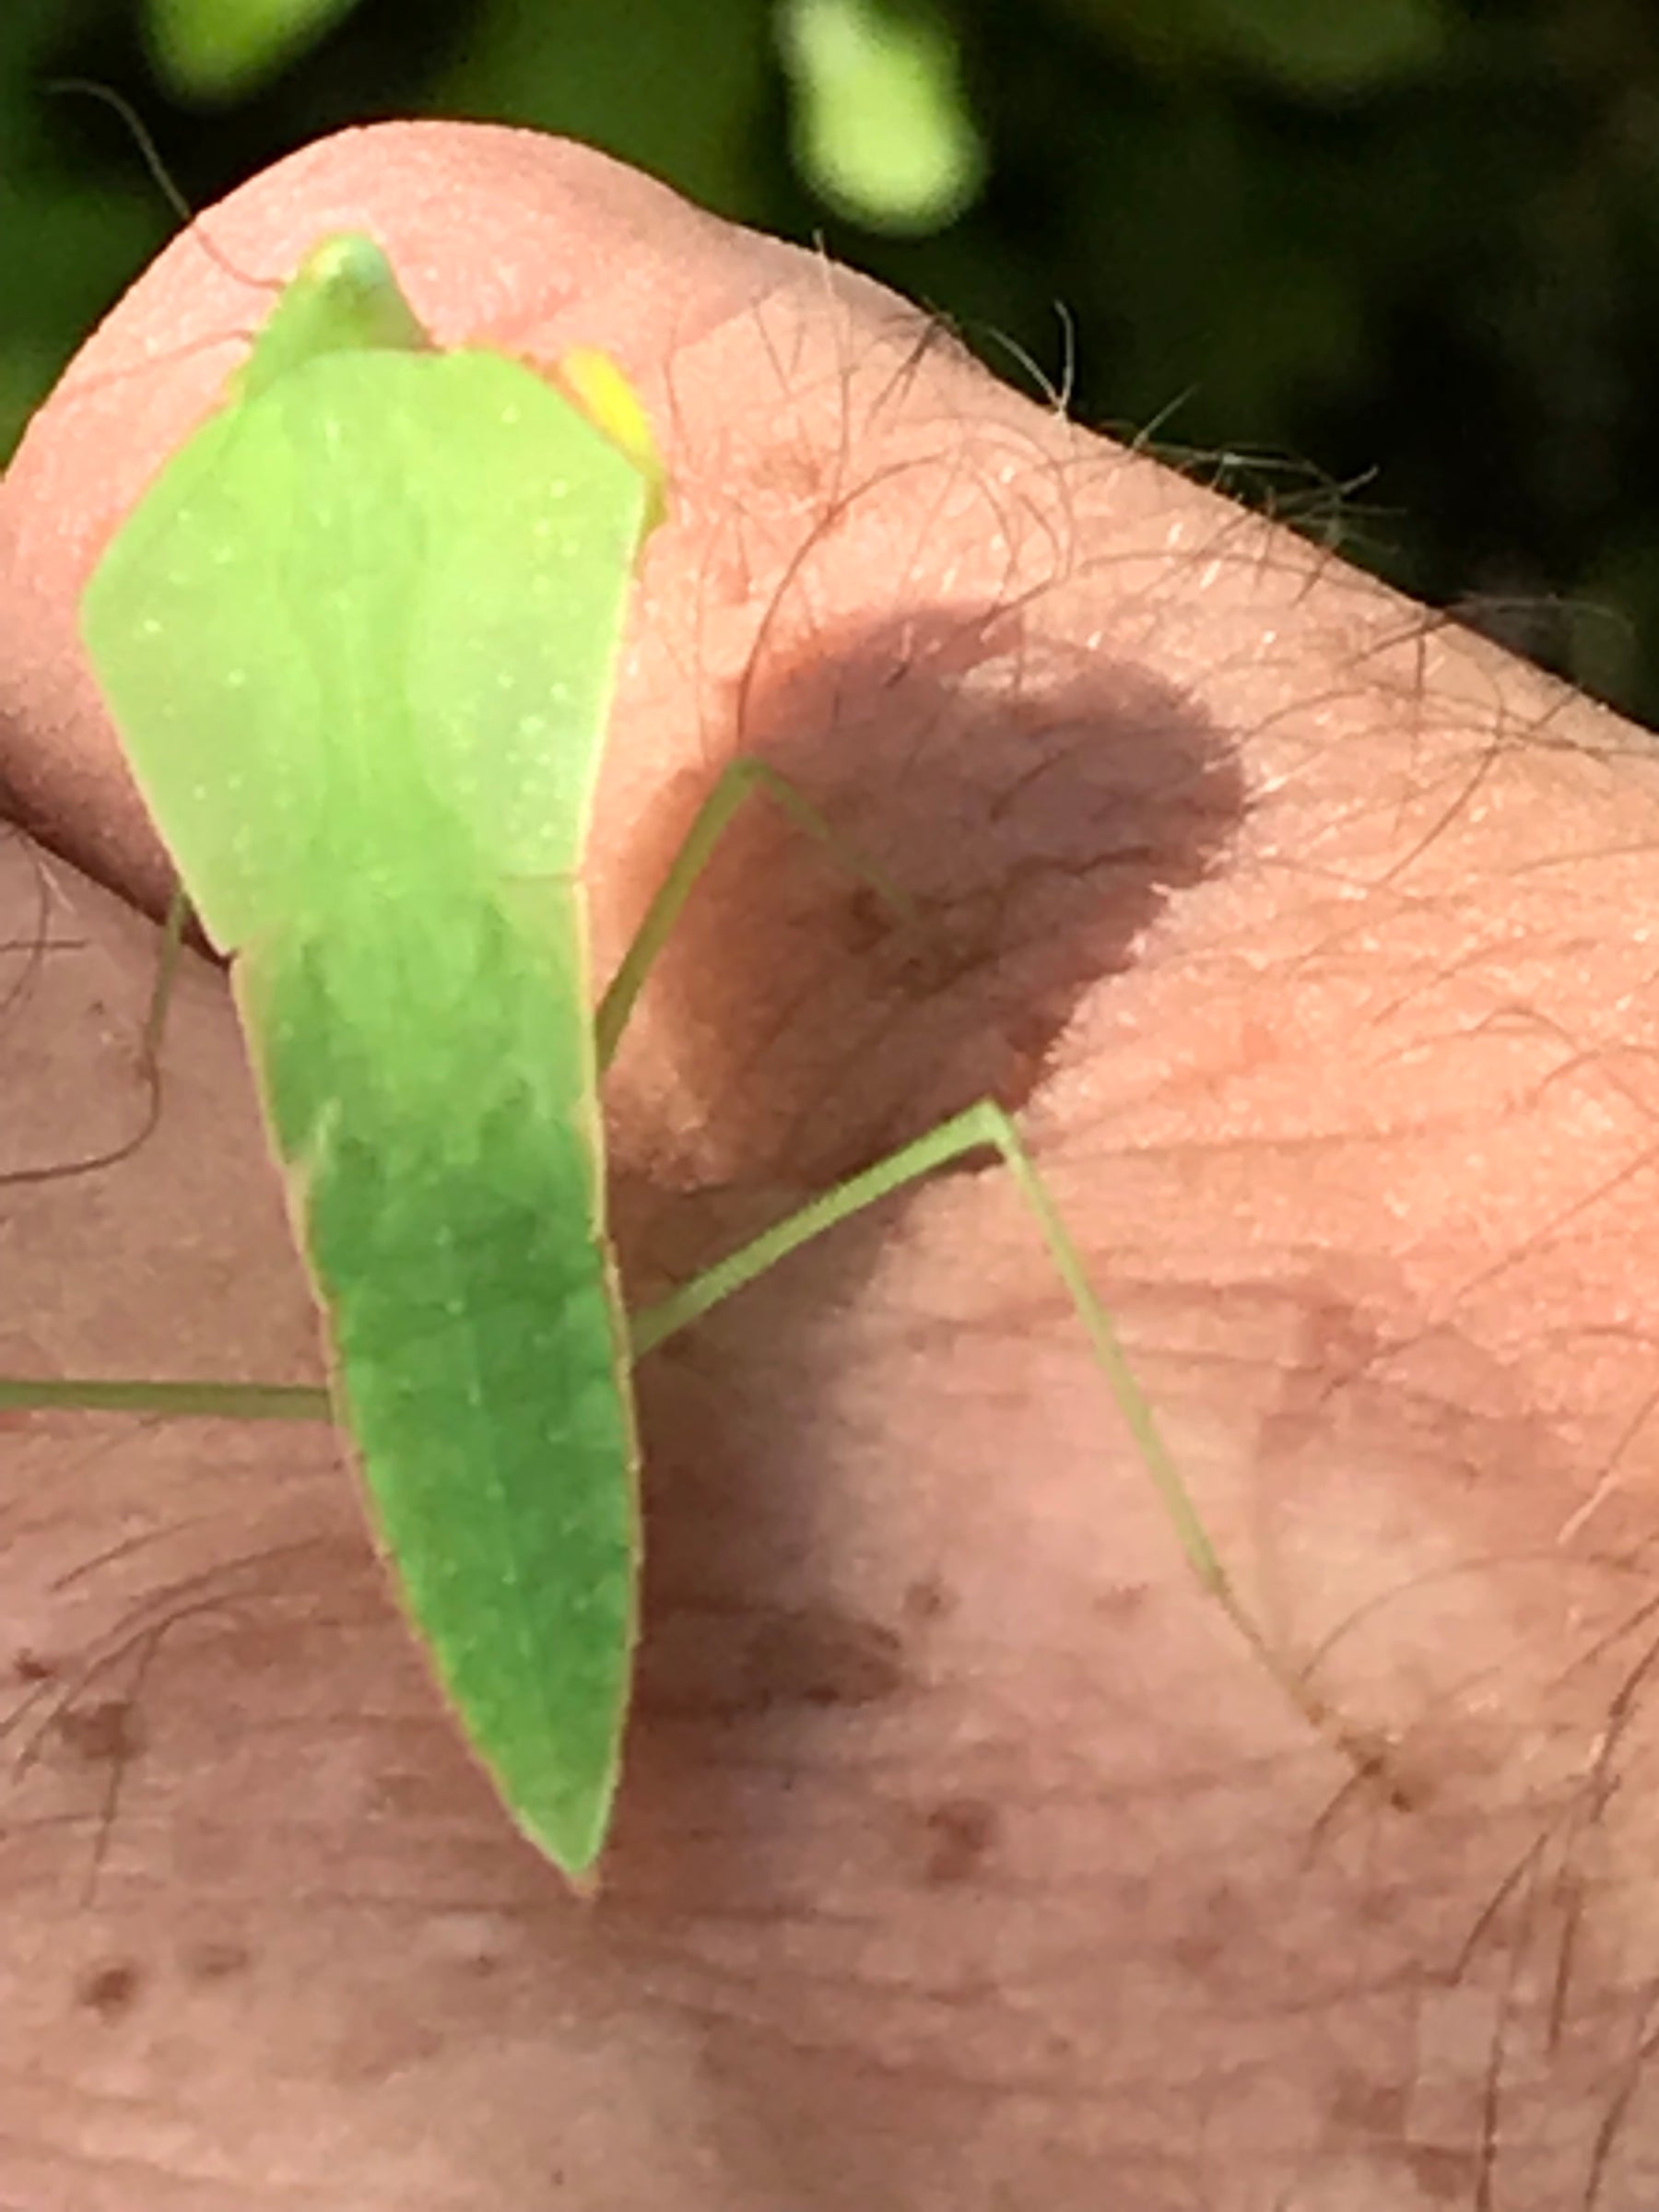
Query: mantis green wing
{"x": 359, "y": 637}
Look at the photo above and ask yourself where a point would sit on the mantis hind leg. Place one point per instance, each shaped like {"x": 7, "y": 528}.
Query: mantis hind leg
{"x": 979, "y": 1127}
{"x": 982, "y": 1128}
{"x": 985, "y": 1126}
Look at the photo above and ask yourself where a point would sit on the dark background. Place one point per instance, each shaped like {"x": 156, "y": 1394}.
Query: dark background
{"x": 1388, "y": 266}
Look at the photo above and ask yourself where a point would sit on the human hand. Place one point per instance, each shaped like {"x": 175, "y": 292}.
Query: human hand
{"x": 965, "y": 1857}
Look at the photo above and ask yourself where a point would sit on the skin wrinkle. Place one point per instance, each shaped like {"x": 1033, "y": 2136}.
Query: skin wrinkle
{"x": 1361, "y": 1228}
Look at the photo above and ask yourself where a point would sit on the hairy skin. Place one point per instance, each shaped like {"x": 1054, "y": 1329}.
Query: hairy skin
{"x": 967, "y": 1860}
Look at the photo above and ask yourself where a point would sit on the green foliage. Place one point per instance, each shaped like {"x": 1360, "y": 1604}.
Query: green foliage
{"x": 1319, "y": 49}
{"x": 1313, "y": 47}
{"x": 1413, "y": 241}
{"x": 882, "y": 127}
{"x": 68, "y": 238}
{"x": 676, "y": 86}
{"x": 224, "y": 50}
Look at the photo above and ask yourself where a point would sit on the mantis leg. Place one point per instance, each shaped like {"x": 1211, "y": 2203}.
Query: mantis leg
{"x": 979, "y": 1127}
{"x": 985, "y": 1126}
{"x": 738, "y": 781}
{"x": 172, "y": 1401}
{"x": 982, "y": 1128}
{"x": 212, "y": 1401}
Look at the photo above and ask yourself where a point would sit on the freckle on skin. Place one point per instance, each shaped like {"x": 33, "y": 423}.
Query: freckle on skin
{"x": 110, "y": 1990}
{"x": 105, "y": 1733}
{"x": 817, "y": 1656}
{"x": 960, "y": 1832}
{"x": 1446, "y": 2176}
{"x": 1121, "y": 1601}
{"x": 216, "y": 1960}
{"x": 927, "y": 1598}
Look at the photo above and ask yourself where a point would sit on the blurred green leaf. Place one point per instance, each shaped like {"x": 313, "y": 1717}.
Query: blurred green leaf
{"x": 1416, "y": 240}
{"x": 675, "y": 86}
{"x": 69, "y": 241}
{"x": 1321, "y": 49}
{"x": 881, "y": 128}
{"x": 66, "y": 252}
{"x": 1330, "y": 47}
{"x": 219, "y": 50}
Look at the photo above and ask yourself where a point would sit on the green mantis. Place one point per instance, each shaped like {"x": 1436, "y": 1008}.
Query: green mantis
{"x": 360, "y": 639}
